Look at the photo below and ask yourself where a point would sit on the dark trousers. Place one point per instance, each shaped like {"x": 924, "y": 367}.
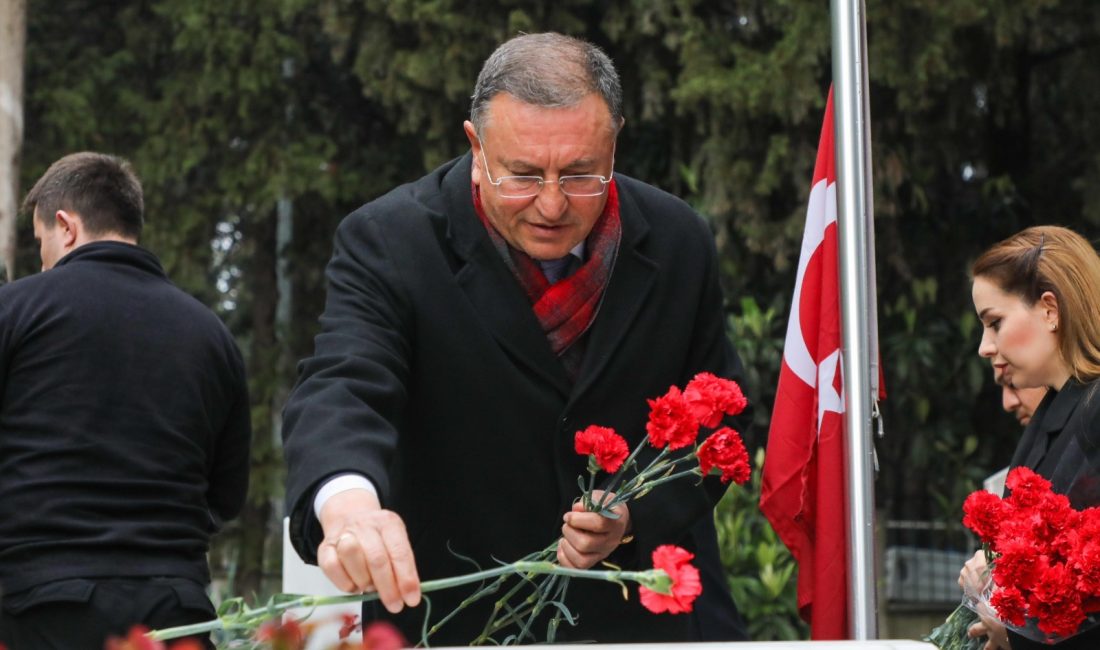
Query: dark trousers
{"x": 81, "y": 614}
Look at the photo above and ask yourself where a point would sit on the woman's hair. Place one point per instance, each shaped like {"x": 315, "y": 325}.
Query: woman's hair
{"x": 1058, "y": 260}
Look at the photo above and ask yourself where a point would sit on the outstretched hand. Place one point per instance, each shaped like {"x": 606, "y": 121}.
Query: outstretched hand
{"x": 367, "y": 548}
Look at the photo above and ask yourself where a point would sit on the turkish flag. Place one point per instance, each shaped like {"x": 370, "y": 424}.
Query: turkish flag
{"x": 803, "y": 493}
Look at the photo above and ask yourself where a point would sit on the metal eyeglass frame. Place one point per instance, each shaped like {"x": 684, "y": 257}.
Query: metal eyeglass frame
{"x": 540, "y": 181}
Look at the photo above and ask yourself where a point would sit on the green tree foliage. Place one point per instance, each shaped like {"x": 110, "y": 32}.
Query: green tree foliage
{"x": 762, "y": 575}
{"x": 257, "y": 125}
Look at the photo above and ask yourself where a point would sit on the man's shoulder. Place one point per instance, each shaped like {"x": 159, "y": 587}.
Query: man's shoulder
{"x": 669, "y": 218}
{"x": 410, "y": 205}
{"x": 27, "y": 288}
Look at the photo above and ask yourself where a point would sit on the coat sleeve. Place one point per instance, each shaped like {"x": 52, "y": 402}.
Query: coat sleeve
{"x": 668, "y": 513}
{"x": 343, "y": 413}
{"x": 230, "y": 462}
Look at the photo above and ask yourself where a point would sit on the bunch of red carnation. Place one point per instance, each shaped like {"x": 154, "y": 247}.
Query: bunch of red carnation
{"x": 674, "y": 422}
{"x": 1046, "y": 565}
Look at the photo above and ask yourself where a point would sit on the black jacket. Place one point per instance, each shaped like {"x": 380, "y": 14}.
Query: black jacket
{"x": 432, "y": 377}
{"x": 124, "y": 422}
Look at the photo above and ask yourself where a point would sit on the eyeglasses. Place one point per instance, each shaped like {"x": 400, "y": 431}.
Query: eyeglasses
{"x": 524, "y": 187}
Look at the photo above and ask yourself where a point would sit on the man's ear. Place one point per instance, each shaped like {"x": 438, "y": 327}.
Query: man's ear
{"x": 69, "y": 225}
{"x": 475, "y": 148}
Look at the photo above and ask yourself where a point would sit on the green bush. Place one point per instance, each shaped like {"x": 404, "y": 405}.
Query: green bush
{"x": 763, "y": 576}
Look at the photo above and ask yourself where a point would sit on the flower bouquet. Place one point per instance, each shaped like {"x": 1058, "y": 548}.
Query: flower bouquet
{"x": 541, "y": 584}
{"x": 1044, "y": 581}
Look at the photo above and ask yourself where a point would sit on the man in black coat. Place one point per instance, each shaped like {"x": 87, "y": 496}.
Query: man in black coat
{"x": 475, "y": 320}
{"x": 124, "y": 424}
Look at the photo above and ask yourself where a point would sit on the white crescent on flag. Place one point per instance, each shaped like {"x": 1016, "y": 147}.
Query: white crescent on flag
{"x": 820, "y": 213}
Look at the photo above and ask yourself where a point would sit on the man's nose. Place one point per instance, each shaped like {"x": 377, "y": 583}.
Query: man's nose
{"x": 551, "y": 202}
{"x": 1009, "y": 399}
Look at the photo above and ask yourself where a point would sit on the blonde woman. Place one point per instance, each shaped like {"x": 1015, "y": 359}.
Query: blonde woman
{"x": 1037, "y": 295}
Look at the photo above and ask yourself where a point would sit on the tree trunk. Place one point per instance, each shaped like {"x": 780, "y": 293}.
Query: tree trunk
{"x": 13, "y": 36}
{"x": 264, "y": 380}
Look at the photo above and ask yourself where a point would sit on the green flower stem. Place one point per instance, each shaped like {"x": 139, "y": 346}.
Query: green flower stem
{"x": 635, "y": 492}
{"x": 587, "y": 496}
{"x": 622, "y": 470}
{"x": 491, "y": 588}
{"x": 498, "y": 606}
{"x": 538, "y": 601}
{"x": 247, "y": 618}
{"x": 659, "y": 466}
{"x": 951, "y": 635}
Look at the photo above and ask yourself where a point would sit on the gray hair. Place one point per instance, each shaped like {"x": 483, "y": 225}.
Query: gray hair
{"x": 548, "y": 70}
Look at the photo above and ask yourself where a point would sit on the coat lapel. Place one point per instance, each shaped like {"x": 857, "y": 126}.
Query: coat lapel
{"x": 1047, "y": 441}
{"x": 632, "y": 279}
{"x": 496, "y": 295}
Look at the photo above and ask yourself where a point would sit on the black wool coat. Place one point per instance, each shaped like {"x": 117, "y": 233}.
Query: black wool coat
{"x": 432, "y": 377}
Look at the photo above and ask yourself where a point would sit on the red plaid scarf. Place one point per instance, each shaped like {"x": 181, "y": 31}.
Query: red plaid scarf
{"x": 566, "y": 308}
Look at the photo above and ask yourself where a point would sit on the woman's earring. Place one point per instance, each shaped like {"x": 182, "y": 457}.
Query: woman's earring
{"x": 1054, "y": 327}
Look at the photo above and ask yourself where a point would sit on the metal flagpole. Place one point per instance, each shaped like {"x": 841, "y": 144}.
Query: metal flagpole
{"x": 854, "y": 230}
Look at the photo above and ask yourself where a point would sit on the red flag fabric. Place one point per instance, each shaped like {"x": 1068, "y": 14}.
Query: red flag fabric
{"x": 803, "y": 493}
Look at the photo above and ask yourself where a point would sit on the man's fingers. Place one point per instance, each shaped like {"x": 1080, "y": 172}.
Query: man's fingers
{"x": 353, "y": 556}
{"x": 569, "y": 556}
{"x": 592, "y": 522}
{"x": 585, "y": 541}
{"x": 404, "y": 566}
{"x": 380, "y": 567}
{"x": 329, "y": 561}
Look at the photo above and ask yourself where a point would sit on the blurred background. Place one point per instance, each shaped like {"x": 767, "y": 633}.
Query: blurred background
{"x": 257, "y": 125}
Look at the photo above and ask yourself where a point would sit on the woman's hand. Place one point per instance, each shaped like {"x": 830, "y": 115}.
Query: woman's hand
{"x": 974, "y": 575}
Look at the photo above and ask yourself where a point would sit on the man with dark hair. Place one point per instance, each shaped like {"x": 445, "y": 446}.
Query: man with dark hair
{"x": 475, "y": 320}
{"x": 124, "y": 424}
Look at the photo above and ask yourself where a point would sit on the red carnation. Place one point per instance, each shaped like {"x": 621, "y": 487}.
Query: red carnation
{"x": 1056, "y": 603}
{"x": 135, "y": 640}
{"x": 1010, "y": 605}
{"x": 711, "y": 396}
{"x": 725, "y": 451}
{"x": 1086, "y": 563}
{"x": 1021, "y": 564}
{"x": 1085, "y": 554}
{"x": 282, "y": 635}
{"x": 1027, "y": 487}
{"x": 671, "y": 421}
{"x": 607, "y": 447}
{"x": 685, "y": 587}
{"x": 982, "y": 513}
{"x": 350, "y": 624}
{"x": 383, "y": 635}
